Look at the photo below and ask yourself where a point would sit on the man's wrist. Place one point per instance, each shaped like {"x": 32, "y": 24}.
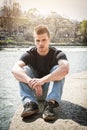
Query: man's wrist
{"x": 28, "y": 80}
{"x": 47, "y": 79}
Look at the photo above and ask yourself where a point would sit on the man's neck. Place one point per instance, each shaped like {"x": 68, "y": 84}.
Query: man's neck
{"x": 43, "y": 53}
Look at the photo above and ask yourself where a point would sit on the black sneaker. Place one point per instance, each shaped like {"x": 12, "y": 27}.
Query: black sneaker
{"x": 30, "y": 109}
{"x": 48, "y": 113}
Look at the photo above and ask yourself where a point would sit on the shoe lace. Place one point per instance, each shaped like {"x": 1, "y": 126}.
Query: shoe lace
{"x": 27, "y": 105}
{"x": 49, "y": 106}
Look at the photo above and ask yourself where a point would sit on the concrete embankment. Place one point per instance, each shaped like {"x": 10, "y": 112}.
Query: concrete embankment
{"x": 71, "y": 115}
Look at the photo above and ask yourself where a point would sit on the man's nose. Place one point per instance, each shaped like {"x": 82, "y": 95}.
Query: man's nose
{"x": 41, "y": 43}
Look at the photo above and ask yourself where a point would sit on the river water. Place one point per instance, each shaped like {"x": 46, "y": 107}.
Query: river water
{"x": 9, "y": 95}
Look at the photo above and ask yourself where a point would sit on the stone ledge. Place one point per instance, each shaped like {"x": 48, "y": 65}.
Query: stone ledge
{"x": 72, "y": 113}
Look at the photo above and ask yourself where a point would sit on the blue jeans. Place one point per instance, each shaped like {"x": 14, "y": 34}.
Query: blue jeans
{"x": 51, "y": 90}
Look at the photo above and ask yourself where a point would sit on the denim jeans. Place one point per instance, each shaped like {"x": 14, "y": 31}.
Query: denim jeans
{"x": 51, "y": 90}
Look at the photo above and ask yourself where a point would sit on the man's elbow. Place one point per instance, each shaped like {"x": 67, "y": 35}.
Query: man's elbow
{"x": 13, "y": 71}
{"x": 66, "y": 68}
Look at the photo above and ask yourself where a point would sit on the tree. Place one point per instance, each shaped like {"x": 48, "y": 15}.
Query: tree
{"x": 10, "y": 17}
{"x": 83, "y": 30}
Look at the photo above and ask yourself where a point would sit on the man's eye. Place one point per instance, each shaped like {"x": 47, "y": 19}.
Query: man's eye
{"x": 44, "y": 40}
{"x": 37, "y": 40}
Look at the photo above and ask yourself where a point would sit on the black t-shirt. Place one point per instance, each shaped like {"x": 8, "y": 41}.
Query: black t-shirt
{"x": 42, "y": 64}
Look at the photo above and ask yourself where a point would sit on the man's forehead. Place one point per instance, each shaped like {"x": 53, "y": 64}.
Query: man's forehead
{"x": 44, "y": 35}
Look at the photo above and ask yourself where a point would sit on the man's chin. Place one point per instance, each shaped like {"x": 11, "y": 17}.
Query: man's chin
{"x": 41, "y": 50}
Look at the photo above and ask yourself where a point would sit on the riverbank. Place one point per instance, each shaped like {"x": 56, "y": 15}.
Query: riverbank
{"x": 27, "y": 44}
{"x": 72, "y": 113}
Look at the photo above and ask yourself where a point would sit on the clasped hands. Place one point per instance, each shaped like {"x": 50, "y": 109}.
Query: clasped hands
{"x": 36, "y": 84}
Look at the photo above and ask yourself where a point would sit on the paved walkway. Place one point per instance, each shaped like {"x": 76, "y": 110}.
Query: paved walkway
{"x": 71, "y": 115}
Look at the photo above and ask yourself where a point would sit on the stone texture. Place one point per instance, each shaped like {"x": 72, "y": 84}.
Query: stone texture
{"x": 71, "y": 115}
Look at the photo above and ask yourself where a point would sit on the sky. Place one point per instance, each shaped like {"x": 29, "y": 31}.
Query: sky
{"x": 72, "y": 9}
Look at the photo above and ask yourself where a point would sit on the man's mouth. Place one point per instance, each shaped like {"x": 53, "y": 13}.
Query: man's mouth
{"x": 41, "y": 47}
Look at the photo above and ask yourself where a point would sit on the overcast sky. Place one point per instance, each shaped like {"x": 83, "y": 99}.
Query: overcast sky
{"x": 73, "y": 9}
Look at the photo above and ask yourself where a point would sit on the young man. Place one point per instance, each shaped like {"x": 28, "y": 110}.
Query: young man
{"x": 41, "y": 72}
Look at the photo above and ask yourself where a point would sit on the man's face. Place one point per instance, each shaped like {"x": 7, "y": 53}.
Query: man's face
{"x": 42, "y": 43}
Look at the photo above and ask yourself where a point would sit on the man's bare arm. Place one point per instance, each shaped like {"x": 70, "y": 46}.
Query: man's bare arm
{"x": 19, "y": 73}
{"x": 59, "y": 73}
{"x": 21, "y": 76}
{"x": 56, "y": 75}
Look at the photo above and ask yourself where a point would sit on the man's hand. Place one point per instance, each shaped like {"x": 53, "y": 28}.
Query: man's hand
{"x": 38, "y": 90}
{"x": 36, "y": 84}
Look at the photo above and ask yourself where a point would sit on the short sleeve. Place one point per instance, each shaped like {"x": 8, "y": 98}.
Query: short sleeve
{"x": 61, "y": 55}
{"x": 25, "y": 58}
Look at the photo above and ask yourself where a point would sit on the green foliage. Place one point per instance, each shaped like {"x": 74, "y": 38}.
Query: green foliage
{"x": 83, "y": 27}
{"x": 83, "y": 30}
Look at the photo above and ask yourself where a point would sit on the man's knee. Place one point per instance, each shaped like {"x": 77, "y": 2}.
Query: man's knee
{"x": 27, "y": 69}
{"x": 30, "y": 71}
{"x": 54, "y": 68}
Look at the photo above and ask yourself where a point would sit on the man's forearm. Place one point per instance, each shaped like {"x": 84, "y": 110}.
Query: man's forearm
{"x": 20, "y": 75}
{"x": 56, "y": 75}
